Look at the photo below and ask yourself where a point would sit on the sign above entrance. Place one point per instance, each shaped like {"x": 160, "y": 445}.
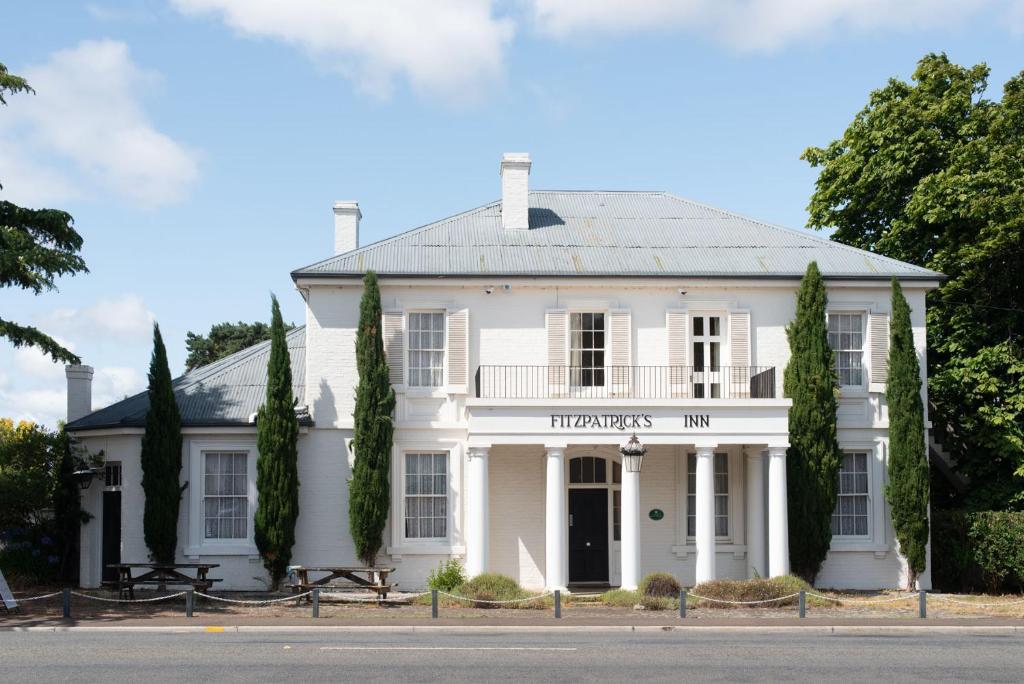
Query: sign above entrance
{"x": 620, "y": 421}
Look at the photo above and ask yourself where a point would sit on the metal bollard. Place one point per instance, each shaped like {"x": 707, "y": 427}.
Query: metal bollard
{"x": 682, "y": 604}
{"x": 67, "y": 602}
{"x": 803, "y": 603}
{"x": 433, "y": 603}
{"x": 922, "y": 604}
{"x": 558, "y": 603}
{"x": 316, "y": 602}
{"x": 190, "y": 602}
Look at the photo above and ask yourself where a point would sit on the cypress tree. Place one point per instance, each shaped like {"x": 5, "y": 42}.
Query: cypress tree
{"x": 908, "y": 488}
{"x": 813, "y": 458}
{"x": 369, "y": 493}
{"x": 161, "y": 459}
{"x": 277, "y": 475}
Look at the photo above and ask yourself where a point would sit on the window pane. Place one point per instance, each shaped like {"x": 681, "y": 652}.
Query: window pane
{"x": 698, "y": 325}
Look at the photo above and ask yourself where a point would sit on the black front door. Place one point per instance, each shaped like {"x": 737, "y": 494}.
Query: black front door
{"x": 111, "y": 534}
{"x": 588, "y": 535}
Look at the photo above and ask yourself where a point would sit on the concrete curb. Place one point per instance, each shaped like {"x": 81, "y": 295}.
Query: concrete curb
{"x": 823, "y": 630}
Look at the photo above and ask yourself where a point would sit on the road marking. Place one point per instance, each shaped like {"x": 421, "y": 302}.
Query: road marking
{"x": 445, "y": 648}
{"x": 214, "y": 629}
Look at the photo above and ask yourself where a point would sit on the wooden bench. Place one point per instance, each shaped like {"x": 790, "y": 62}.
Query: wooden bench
{"x": 161, "y": 575}
{"x": 356, "y": 577}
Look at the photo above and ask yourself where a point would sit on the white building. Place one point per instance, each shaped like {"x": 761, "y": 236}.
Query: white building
{"x": 528, "y": 339}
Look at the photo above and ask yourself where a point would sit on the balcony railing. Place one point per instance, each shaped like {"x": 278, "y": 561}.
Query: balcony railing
{"x": 625, "y": 382}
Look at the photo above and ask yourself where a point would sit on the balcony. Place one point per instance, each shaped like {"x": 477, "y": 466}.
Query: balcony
{"x": 625, "y": 382}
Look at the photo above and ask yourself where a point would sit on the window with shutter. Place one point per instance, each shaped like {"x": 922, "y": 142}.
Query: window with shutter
{"x": 878, "y": 338}
{"x": 458, "y": 350}
{"x": 677, "y": 324}
{"x": 739, "y": 354}
{"x": 621, "y": 351}
{"x": 394, "y": 345}
{"x": 557, "y": 322}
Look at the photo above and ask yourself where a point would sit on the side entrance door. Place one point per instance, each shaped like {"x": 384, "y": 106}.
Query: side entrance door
{"x": 588, "y": 535}
{"x": 111, "y": 533}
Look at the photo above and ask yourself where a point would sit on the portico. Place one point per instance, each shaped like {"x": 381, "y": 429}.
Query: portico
{"x": 708, "y": 502}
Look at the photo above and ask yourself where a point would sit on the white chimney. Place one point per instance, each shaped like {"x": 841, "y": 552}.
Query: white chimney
{"x": 515, "y": 191}
{"x": 79, "y": 391}
{"x": 346, "y": 226}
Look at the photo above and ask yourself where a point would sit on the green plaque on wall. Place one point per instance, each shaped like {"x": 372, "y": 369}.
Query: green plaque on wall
{"x": 656, "y": 514}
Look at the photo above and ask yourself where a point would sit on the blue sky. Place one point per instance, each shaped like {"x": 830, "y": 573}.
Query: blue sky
{"x": 199, "y": 143}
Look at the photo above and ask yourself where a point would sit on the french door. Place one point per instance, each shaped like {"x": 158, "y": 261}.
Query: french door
{"x": 707, "y": 356}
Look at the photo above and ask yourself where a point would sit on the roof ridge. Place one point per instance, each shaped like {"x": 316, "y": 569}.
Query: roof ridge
{"x": 794, "y": 231}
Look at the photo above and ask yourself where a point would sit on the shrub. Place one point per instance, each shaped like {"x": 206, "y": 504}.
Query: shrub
{"x": 979, "y": 550}
{"x": 620, "y": 598}
{"x": 448, "y": 576}
{"x": 30, "y": 556}
{"x": 660, "y": 584}
{"x": 492, "y": 586}
{"x": 752, "y": 590}
{"x": 658, "y": 603}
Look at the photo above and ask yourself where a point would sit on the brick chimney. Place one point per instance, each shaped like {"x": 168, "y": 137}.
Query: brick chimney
{"x": 346, "y": 226}
{"x": 515, "y": 191}
{"x": 79, "y": 391}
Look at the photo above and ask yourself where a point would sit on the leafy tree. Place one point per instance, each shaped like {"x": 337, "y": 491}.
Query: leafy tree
{"x": 277, "y": 476}
{"x": 161, "y": 459}
{"x": 224, "y": 339}
{"x": 813, "y": 458}
{"x": 932, "y": 172}
{"x": 369, "y": 491}
{"x": 36, "y": 247}
{"x": 908, "y": 489}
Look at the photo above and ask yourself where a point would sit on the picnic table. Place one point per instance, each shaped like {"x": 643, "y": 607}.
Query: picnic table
{"x": 161, "y": 574}
{"x": 361, "y": 577}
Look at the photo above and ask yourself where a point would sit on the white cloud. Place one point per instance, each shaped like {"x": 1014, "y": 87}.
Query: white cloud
{"x": 30, "y": 361}
{"x": 449, "y": 49}
{"x": 125, "y": 318}
{"x": 85, "y": 130}
{"x": 748, "y": 25}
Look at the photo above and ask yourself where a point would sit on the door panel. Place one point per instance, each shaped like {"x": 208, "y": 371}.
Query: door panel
{"x": 588, "y": 535}
{"x": 111, "y": 533}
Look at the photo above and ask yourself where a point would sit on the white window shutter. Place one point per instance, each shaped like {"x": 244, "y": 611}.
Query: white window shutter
{"x": 878, "y": 344}
{"x": 394, "y": 345}
{"x": 620, "y": 328}
{"x": 739, "y": 354}
{"x": 557, "y": 322}
{"x": 677, "y": 326}
{"x": 458, "y": 350}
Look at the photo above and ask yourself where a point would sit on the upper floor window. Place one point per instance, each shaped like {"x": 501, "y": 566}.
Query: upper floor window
{"x": 426, "y": 349}
{"x": 586, "y": 349}
{"x": 846, "y": 337}
{"x": 721, "y": 495}
{"x": 850, "y": 518}
{"x": 707, "y": 356}
{"x": 426, "y": 495}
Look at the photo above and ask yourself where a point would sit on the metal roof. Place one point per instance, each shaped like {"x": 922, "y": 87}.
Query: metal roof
{"x": 609, "y": 234}
{"x": 223, "y": 393}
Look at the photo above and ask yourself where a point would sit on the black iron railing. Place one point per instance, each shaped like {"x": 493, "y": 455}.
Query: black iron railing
{"x": 630, "y": 382}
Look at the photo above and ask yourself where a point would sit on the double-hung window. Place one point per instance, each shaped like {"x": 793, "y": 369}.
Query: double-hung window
{"x": 850, "y": 517}
{"x": 225, "y": 494}
{"x": 426, "y": 349}
{"x": 426, "y": 495}
{"x": 586, "y": 349}
{"x": 721, "y": 495}
{"x": 846, "y": 337}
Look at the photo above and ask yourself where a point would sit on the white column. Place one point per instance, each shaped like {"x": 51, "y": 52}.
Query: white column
{"x": 476, "y": 512}
{"x": 778, "y": 513}
{"x": 705, "y": 514}
{"x": 755, "y": 515}
{"x": 556, "y": 552}
{"x": 630, "y": 530}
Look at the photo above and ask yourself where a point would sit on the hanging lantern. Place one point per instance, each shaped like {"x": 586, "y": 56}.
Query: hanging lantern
{"x": 633, "y": 455}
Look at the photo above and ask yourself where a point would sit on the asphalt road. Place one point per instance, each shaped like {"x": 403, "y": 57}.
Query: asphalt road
{"x": 563, "y": 656}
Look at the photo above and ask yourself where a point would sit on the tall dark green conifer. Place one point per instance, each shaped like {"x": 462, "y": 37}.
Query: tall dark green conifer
{"x": 161, "y": 459}
{"x": 908, "y": 488}
{"x": 277, "y": 475}
{"x": 369, "y": 491}
{"x": 812, "y": 462}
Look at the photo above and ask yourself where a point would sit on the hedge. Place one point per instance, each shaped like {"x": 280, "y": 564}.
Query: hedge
{"x": 981, "y": 550}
